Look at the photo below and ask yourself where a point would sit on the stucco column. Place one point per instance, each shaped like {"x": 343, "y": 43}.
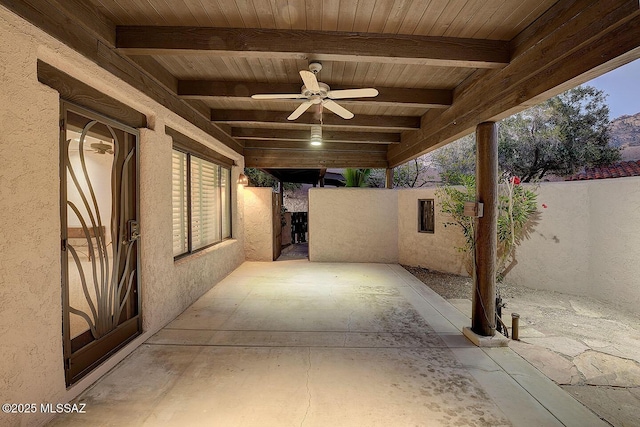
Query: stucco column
{"x": 388, "y": 180}
{"x": 484, "y": 279}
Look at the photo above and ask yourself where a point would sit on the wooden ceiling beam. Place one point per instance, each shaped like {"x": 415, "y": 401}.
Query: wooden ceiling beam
{"x": 329, "y": 146}
{"x": 84, "y": 30}
{"x": 597, "y": 36}
{"x": 242, "y": 91}
{"x": 304, "y": 135}
{"x": 312, "y": 159}
{"x": 318, "y": 45}
{"x": 360, "y": 121}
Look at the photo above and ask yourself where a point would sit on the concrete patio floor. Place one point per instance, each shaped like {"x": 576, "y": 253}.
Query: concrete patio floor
{"x": 323, "y": 344}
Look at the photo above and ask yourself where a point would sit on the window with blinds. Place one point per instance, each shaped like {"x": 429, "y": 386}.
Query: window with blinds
{"x": 225, "y": 202}
{"x": 179, "y": 201}
{"x": 201, "y": 203}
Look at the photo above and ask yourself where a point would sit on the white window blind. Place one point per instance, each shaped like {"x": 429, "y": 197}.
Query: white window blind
{"x": 205, "y": 200}
{"x": 179, "y": 202}
{"x": 207, "y": 219}
{"x": 225, "y": 202}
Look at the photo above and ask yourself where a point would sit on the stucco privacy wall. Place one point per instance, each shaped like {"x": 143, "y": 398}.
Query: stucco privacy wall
{"x": 353, "y": 225}
{"x": 31, "y": 367}
{"x": 557, "y": 254}
{"x": 586, "y": 242}
{"x": 435, "y": 251}
{"x": 615, "y": 240}
{"x": 258, "y": 227}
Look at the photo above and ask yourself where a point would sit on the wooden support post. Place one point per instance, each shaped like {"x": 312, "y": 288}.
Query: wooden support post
{"x": 484, "y": 279}
{"x": 388, "y": 181}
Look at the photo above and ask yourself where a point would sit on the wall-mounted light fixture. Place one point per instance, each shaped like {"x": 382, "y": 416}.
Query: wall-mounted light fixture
{"x": 316, "y": 135}
{"x": 243, "y": 179}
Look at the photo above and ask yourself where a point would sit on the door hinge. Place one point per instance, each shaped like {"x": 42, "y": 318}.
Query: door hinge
{"x": 61, "y": 124}
{"x": 63, "y": 245}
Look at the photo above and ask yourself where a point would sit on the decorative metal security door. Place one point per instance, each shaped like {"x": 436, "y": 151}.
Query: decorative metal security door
{"x": 100, "y": 249}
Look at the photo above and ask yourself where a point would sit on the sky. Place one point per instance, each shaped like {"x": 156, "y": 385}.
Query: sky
{"x": 623, "y": 87}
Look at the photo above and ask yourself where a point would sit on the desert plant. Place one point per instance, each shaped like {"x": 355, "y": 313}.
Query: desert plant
{"x": 356, "y": 177}
{"x": 517, "y": 216}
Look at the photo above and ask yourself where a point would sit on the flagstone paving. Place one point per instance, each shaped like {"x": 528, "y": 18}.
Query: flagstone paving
{"x": 590, "y": 348}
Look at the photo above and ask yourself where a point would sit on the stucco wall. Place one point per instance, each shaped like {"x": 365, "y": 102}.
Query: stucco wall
{"x": 586, "y": 242}
{"x": 258, "y": 224}
{"x": 30, "y": 298}
{"x": 169, "y": 287}
{"x": 615, "y": 240}
{"x": 557, "y": 255}
{"x": 31, "y": 367}
{"x": 435, "y": 251}
{"x": 353, "y": 225}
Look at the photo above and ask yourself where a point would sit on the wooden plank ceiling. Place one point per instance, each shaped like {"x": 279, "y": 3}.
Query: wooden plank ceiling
{"x": 440, "y": 66}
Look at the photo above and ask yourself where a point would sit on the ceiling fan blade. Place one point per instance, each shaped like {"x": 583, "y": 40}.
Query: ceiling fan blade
{"x": 278, "y": 96}
{"x": 301, "y": 109}
{"x": 353, "y": 93}
{"x": 310, "y": 81}
{"x": 339, "y": 110}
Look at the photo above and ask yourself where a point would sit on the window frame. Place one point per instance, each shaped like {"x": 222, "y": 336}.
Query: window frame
{"x": 422, "y": 202}
{"x": 221, "y": 194}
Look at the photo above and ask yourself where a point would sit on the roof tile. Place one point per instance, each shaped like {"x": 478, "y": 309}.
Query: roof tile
{"x": 616, "y": 170}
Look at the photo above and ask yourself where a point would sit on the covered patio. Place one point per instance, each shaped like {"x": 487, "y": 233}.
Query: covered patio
{"x": 317, "y": 344}
{"x": 169, "y": 101}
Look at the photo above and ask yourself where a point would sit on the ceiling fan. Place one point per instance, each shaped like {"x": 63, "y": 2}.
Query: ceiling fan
{"x": 319, "y": 93}
{"x": 102, "y": 148}
{"x": 99, "y": 147}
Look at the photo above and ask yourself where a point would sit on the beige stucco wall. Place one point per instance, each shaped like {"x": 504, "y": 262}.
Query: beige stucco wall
{"x": 435, "y": 251}
{"x": 258, "y": 223}
{"x": 353, "y": 225}
{"x": 168, "y": 286}
{"x": 615, "y": 240}
{"x": 586, "y": 242}
{"x": 31, "y": 368}
{"x": 557, "y": 254}
{"x": 30, "y": 298}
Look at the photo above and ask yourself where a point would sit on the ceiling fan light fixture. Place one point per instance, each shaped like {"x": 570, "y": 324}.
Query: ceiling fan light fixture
{"x": 316, "y": 135}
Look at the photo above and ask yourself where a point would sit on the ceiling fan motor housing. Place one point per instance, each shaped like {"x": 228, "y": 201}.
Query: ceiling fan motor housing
{"x": 324, "y": 90}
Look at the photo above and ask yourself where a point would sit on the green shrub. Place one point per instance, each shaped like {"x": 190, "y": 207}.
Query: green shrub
{"x": 517, "y": 216}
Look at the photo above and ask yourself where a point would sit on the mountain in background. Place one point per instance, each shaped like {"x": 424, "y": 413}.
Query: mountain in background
{"x": 625, "y": 133}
